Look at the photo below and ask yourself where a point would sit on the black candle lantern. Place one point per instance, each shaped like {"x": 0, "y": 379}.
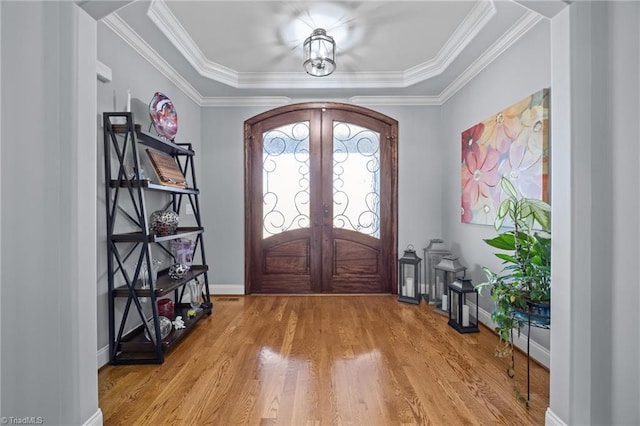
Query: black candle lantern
{"x": 447, "y": 271}
{"x": 409, "y": 277}
{"x": 460, "y": 316}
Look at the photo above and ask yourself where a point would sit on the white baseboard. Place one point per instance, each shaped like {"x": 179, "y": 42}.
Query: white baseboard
{"x": 103, "y": 356}
{"x": 551, "y": 419}
{"x": 230, "y": 289}
{"x": 95, "y": 419}
{"x": 536, "y": 351}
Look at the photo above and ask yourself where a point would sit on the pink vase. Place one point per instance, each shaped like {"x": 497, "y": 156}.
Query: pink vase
{"x": 165, "y": 308}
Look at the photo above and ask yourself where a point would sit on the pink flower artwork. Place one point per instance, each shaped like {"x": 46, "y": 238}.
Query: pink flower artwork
{"x": 480, "y": 175}
{"x": 470, "y": 138}
{"x": 512, "y": 143}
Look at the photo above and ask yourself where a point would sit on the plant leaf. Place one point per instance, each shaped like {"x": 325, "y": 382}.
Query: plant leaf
{"x": 508, "y": 188}
{"x": 503, "y": 241}
{"x": 504, "y": 208}
{"x": 539, "y": 204}
{"x": 543, "y": 218}
{"x": 501, "y": 214}
{"x": 506, "y": 257}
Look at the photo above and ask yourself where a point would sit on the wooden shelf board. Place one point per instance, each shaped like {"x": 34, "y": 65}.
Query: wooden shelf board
{"x": 164, "y": 283}
{"x": 147, "y": 184}
{"x": 162, "y": 144}
{"x": 136, "y": 237}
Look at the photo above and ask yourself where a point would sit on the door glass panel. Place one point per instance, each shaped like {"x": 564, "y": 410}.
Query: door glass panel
{"x": 356, "y": 179}
{"x": 285, "y": 178}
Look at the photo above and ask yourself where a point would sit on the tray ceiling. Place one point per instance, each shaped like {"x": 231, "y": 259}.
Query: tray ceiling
{"x": 421, "y": 50}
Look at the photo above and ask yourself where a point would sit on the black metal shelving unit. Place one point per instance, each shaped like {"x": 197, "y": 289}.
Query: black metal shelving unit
{"x": 129, "y": 238}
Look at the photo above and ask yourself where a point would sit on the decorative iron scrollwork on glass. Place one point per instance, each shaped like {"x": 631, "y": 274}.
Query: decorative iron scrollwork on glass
{"x": 356, "y": 179}
{"x": 285, "y": 178}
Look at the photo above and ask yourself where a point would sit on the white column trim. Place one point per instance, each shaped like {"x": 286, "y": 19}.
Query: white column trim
{"x": 0, "y": 204}
{"x": 103, "y": 72}
{"x": 551, "y": 419}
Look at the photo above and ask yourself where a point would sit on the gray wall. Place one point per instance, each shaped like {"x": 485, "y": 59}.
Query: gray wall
{"x": 595, "y": 374}
{"x": 130, "y": 72}
{"x": 517, "y": 73}
{"x": 48, "y": 311}
{"x": 222, "y": 184}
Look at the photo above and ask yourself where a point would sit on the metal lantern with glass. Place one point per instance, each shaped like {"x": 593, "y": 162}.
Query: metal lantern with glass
{"x": 460, "y": 316}
{"x": 319, "y": 53}
{"x": 433, "y": 254}
{"x": 447, "y": 271}
{"x": 409, "y": 277}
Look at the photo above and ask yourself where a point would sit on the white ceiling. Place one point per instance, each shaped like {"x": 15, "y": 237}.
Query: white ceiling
{"x": 419, "y": 51}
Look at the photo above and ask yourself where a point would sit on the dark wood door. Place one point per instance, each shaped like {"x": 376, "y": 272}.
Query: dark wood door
{"x": 321, "y": 200}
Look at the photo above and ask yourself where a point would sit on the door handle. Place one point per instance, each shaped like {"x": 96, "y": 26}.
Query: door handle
{"x": 325, "y": 210}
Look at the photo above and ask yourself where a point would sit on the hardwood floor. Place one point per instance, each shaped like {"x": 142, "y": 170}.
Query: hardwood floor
{"x": 346, "y": 360}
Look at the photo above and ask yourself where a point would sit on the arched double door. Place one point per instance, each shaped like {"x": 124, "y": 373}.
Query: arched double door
{"x": 320, "y": 200}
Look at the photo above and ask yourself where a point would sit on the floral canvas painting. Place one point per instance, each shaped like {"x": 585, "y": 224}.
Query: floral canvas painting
{"x": 513, "y": 143}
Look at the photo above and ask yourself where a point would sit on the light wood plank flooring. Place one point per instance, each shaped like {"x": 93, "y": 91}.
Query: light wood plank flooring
{"x": 324, "y": 360}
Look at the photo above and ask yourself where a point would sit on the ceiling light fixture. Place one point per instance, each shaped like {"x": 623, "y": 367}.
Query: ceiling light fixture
{"x": 319, "y": 53}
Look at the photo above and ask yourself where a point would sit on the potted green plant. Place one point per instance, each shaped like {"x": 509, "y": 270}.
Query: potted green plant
{"x": 523, "y": 286}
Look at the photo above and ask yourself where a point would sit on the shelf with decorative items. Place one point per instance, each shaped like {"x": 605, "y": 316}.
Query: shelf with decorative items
{"x": 136, "y": 347}
{"x": 140, "y": 241}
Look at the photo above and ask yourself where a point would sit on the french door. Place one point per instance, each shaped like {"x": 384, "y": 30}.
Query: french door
{"x": 320, "y": 200}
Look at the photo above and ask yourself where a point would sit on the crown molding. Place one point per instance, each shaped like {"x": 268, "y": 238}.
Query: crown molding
{"x": 241, "y": 101}
{"x": 477, "y": 18}
{"x": 170, "y": 26}
{"x": 116, "y": 24}
{"x": 519, "y": 29}
{"x": 275, "y": 101}
{"x": 161, "y": 15}
{"x": 337, "y": 80}
{"x": 396, "y": 100}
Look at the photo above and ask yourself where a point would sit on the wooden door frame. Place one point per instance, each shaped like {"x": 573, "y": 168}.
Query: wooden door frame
{"x": 392, "y": 258}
